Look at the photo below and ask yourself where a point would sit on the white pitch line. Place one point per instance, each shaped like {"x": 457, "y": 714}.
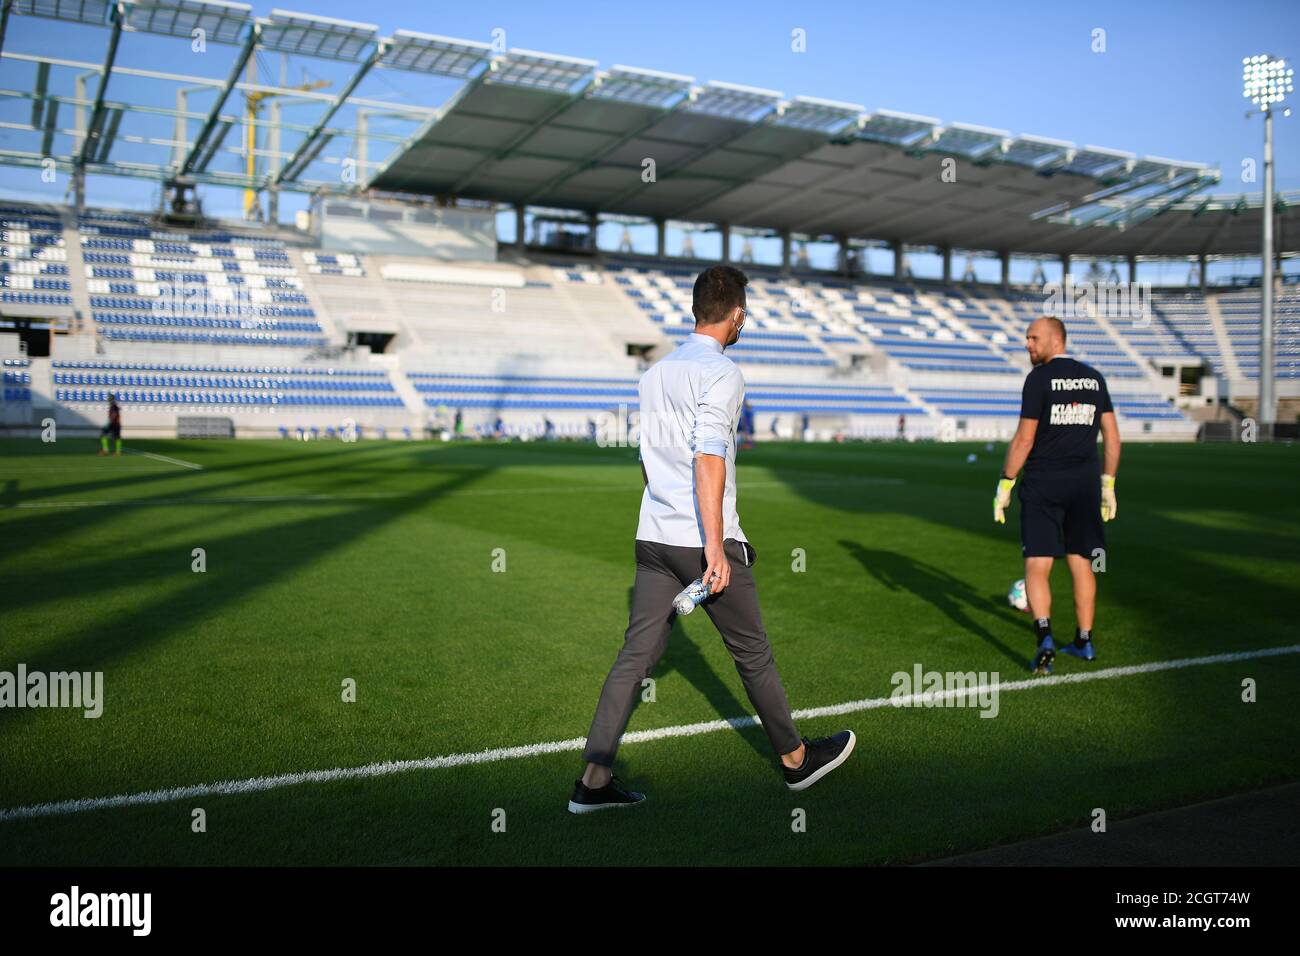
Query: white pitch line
{"x": 170, "y": 461}
{"x": 388, "y": 768}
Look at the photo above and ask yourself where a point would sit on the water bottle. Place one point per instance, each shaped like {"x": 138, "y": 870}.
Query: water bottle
{"x": 695, "y": 593}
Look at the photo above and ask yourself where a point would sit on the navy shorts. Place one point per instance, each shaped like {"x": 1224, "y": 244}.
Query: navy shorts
{"x": 1060, "y": 513}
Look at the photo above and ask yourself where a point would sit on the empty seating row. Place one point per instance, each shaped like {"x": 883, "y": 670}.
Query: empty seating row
{"x": 135, "y": 397}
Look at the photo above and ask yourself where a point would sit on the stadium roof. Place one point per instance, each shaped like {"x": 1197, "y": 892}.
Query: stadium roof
{"x": 535, "y": 128}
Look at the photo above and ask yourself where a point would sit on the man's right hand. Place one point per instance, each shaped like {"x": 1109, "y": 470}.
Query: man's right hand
{"x": 1002, "y": 499}
{"x": 717, "y": 574}
{"x": 1109, "y": 507}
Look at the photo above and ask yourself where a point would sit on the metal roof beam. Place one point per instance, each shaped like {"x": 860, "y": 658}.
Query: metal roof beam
{"x": 200, "y": 142}
{"x": 427, "y": 126}
{"x": 694, "y": 155}
{"x": 1176, "y": 223}
{"x": 1226, "y": 217}
{"x": 1176, "y": 194}
{"x": 97, "y": 114}
{"x": 210, "y": 149}
{"x": 590, "y": 162}
{"x": 1109, "y": 192}
{"x": 4, "y": 21}
{"x": 1038, "y": 152}
{"x": 849, "y": 114}
{"x": 51, "y": 119}
{"x": 833, "y": 178}
{"x": 220, "y": 20}
{"x": 1127, "y": 212}
{"x": 300, "y": 159}
{"x": 173, "y": 113}
{"x": 406, "y": 109}
{"x": 648, "y": 89}
{"x": 112, "y": 119}
{"x": 150, "y": 172}
{"x": 903, "y": 183}
{"x": 503, "y": 152}
{"x": 771, "y": 167}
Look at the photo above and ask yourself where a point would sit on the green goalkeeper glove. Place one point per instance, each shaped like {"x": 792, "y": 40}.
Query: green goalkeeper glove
{"x": 1109, "y": 507}
{"x": 1002, "y": 499}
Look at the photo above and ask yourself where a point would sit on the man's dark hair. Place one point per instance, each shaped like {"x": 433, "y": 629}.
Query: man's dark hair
{"x": 719, "y": 290}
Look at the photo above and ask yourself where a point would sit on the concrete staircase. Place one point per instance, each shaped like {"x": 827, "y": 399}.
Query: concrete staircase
{"x": 1104, "y": 322}
{"x": 1230, "y": 367}
{"x": 405, "y": 389}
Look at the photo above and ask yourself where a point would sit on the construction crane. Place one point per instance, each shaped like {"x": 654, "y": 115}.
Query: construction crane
{"x": 253, "y": 101}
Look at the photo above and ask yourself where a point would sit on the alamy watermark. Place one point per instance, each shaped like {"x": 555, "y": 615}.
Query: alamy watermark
{"x": 201, "y": 300}
{"x": 921, "y": 688}
{"x": 1112, "y": 300}
{"x": 77, "y": 908}
{"x": 77, "y": 689}
{"x": 628, "y": 428}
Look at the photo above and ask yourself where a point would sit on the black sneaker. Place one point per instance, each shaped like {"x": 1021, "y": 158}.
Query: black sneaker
{"x": 820, "y": 757}
{"x": 613, "y": 794}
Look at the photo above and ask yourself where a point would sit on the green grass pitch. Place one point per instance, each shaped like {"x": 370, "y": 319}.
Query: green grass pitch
{"x": 374, "y": 562}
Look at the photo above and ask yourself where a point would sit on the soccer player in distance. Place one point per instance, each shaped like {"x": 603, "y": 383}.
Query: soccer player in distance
{"x": 1064, "y": 501}
{"x": 690, "y": 408}
{"x": 113, "y": 429}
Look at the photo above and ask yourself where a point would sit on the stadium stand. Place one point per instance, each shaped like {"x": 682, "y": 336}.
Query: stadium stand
{"x": 33, "y": 258}
{"x": 261, "y": 326}
{"x": 215, "y": 288}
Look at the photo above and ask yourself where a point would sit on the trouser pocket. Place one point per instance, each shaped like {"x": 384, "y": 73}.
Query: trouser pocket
{"x": 744, "y": 552}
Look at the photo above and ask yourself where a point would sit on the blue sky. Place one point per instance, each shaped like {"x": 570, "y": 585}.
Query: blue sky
{"x": 1167, "y": 84}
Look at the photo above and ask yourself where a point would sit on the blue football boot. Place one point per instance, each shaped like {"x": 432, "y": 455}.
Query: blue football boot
{"x": 1043, "y": 659}
{"x": 1085, "y": 652}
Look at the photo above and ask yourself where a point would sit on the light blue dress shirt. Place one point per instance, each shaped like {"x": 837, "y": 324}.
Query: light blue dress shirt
{"x": 690, "y": 403}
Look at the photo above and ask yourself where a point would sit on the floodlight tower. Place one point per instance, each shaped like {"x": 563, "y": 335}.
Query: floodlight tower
{"x": 1266, "y": 82}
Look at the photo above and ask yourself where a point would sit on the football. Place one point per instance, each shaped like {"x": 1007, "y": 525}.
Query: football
{"x": 1017, "y": 597}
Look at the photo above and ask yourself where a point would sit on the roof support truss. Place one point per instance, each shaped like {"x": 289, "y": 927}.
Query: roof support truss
{"x": 493, "y": 158}
{"x": 201, "y": 141}
{"x": 311, "y": 146}
{"x": 93, "y": 131}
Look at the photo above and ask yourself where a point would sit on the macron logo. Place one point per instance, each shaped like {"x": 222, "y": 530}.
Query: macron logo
{"x": 103, "y": 909}
{"x": 1075, "y": 384}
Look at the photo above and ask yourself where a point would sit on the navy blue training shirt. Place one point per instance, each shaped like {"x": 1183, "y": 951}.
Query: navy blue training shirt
{"x": 1068, "y": 399}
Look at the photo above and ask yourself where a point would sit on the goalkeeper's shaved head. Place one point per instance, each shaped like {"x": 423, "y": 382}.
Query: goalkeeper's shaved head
{"x": 1045, "y": 339}
{"x": 1056, "y": 327}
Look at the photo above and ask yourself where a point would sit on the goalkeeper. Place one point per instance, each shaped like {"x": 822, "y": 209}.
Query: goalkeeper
{"x": 1064, "y": 498}
{"x": 113, "y": 429}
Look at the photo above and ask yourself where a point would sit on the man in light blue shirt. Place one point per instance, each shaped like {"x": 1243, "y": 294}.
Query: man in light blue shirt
{"x": 690, "y": 404}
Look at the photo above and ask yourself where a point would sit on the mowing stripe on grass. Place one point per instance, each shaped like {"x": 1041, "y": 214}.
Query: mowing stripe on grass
{"x": 462, "y": 492}
{"x": 164, "y": 502}
{"x": 387, "y": 768}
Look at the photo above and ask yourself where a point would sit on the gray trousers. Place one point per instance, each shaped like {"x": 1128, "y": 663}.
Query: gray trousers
{"x": 662, "y": 570}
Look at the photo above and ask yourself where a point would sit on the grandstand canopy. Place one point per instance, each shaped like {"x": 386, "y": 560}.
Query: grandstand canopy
{"x": 526, "y": 127}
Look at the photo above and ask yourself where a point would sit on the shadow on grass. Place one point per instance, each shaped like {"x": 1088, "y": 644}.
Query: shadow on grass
{"x": 1144, "y": 546}
{"x": 683, "y": 656}
{"x": 933, "y": 585}
{"x": 252, "y": 560}
{"x": 41, "y": 526}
